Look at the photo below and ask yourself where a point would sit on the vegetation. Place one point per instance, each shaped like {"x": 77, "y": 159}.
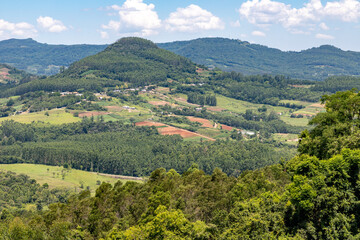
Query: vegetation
{"x": 304, "y": 198}
{"x": 335, "y": 129}
{"x": 121, "y": 149}
{"x": 18, "y": 190}
{"x": 241, "y": 56}
{"x": 63, "y": 177}
{"x": 43, "y": 59}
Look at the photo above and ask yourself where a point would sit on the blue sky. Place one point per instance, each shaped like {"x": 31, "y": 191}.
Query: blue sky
{"x": 283, "y": 24}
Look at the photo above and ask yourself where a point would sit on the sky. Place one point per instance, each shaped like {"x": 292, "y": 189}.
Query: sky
{"x": 289, "y": 25}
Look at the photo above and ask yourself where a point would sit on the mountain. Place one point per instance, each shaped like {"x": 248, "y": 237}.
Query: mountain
{"x": 43, "y": 59}
{"x": 241, "y": 56}
{"x": 134, "y": 61}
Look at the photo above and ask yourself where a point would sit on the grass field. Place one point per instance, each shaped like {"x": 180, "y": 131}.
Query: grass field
{"x": 56, "y": 116}
{"x": 286, "y": 138}
{"x": 302, "y": 122}
{"x": 239, "y": 106}
{"x": 52, "y": 175}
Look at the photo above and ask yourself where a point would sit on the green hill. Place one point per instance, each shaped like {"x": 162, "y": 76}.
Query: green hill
{"x": 241, "y": 56}
{"x": 131, "y": 61}
{"x": 43, "y": 59}
{"x": 10, "y": 75}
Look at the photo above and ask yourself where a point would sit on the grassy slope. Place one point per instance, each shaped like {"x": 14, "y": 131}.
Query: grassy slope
{"x": 56, "y": 116}
{"x": 72, "y": 180}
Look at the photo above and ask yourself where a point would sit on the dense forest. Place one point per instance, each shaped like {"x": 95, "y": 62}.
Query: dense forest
{"x": 241, "y": 56}
{"x": 112, "y": 147}
{"x": 311, "y": 196}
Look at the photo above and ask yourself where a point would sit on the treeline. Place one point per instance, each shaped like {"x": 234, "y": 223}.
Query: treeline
{"x": 202, "y": 99}
{"x": 250, "y": 120}
{"x": 135, "y": 153}
{"x": 16, "y": 191}
{"x": 337, "y": 83}
{"x": 121, "y": 149}
{"x": 265, "y": 89}
{"x": 305, "y": 198}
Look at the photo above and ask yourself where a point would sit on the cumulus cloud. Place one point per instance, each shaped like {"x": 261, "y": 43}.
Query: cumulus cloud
{"x": 267, "y": 12}
{"x": 104, "y": 35}
{"x": 324, "y": 36}
{"x": 51, "y": 25}
{"x": 192, "y": 18}
{"x": 135, "y": 16}
{"x": 258, "y": 34}
{"x": 235, "y": 24}
{"x": 345, "y": 10}
{"x": 22, "y": 29}
{"x": 323, "y": 26}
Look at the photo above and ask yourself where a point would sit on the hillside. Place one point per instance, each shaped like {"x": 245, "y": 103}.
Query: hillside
{"x": 129, "y": 61}
{"x": 10, "y": 75}
{"x": 241, "y": 56}
{"x": 43, "y": 59}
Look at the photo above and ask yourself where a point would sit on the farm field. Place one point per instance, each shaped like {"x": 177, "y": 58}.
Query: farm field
{"x": 291, "y": 139}
{"x": 52, "y": 175}
{"x": 56, "y": 116}
{"x": 164, "y": 129}
{"x": 240, "y": 106}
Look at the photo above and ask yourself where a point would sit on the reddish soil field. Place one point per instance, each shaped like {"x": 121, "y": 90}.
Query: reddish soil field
{"x": 90, "y": 114}
{"x": 159, "y": 103}
{"x": 182, "y": 132}
{"x": 173, "y": 130}
{"x": 205, "y": 122}
{"x": 114, "y": 108}
{"x": 215, "y": 109}
{"x": 317, "y": 105}
{"x": 148, "y": 123}
{"x": 168, "y": 130}
{"x": 225, "y": 127}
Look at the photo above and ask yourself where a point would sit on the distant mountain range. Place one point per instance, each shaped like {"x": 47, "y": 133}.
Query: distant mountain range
{"x": 43, "y": 59}
{"x": 134, "y": 61}
{"x": 226, "y": 54}
{"x": 241, "y": 56}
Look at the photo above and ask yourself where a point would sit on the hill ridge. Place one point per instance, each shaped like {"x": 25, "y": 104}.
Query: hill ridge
{"x": 315, "y": 63}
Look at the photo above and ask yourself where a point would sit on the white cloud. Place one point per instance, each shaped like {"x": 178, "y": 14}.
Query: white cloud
{"x": 324, "y": 36}
{"x": 112, "y": 25}
{"x": 51, "y": 25}
{"x": 192, "y": 18}
{"x": 136, "y": 16}
{"x": 22, "y": 29}
{"x": 258, "y": 34}
{"x": 104, "y": 35}
{"x": 345, "y": 10}
{"x": 323, "y": 26}
{"x": 235, "y": 24}
{"x": 267, "y": 12}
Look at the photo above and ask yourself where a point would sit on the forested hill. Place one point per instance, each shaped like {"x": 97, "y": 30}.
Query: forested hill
{"x": 241, "y": 56}
{"x": 10, "y": 75}
{"x": 129, "y": 61}
{"x": 134, "y": 60}
{"x": 43, "y": 59}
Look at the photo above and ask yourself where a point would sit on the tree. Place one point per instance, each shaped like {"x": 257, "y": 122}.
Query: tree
{"x": 334, "y": 129}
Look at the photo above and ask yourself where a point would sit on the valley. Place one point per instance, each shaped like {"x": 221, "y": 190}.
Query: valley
{"x": 137, "y": 142}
